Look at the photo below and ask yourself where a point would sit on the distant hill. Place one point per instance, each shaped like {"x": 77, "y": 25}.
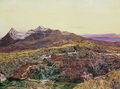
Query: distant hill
{"x": 103, "y": 37}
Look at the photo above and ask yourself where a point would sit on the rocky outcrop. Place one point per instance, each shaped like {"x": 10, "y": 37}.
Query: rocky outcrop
{"x": 2, "y": 77}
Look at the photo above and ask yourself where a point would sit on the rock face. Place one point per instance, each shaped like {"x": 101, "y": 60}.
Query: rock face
{"x": 38, "y": 33}
{"x": 15, "y": 35}
{"x": 12, "y": 37}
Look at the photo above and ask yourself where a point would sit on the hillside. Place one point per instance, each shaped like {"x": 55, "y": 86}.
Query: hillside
{"x": 109, "y": 81}
{"x": 51, "y": 59}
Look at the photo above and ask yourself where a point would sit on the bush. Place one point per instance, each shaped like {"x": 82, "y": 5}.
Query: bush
{"x": 77, "y": 48}
{"x": 91, "y": 70}
{"x": 60, "y": 78}
{"x": 77, "y": 80}
{"x": 17, "y": 83}
{"x": 49, "y": 63}
{"x": 35, "y": 74}
{"x": 65, "y": 85}
{"x": 61, "y": 51}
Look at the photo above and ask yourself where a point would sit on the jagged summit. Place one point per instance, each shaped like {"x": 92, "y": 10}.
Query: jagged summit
{"x": 12, "y": 37}
{"x": 41, "y": 28}
{"x": 36, "y": 30}
{"x": 12, "y": 30}
{"x": 15, "y": 35}
{"x": 38, "y": 33}
{"x": 9, "y": 38}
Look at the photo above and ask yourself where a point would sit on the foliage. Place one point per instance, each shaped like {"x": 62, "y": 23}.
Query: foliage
{"x": 109, "y": 81}
{"x": 65, "y": 85}
{"x": 91, "y": 70}
{"x": 49, "y": 63}
{"x": 17, "y": 83}
{"x": 77, "y": 47}
{"x": 77, "y": 80}
{"x": 60, "y": 78}
{"x": 61, "y": 51}
{"x": 43, "y": 73}
{"x": 35, "y": 74}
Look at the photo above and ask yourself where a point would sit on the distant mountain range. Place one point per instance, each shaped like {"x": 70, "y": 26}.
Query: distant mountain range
{"x": 14, "y": 36}
{"x": 44, "y": 37}
{"x": 34, "y": 38}
{"x": 103, "y": 37}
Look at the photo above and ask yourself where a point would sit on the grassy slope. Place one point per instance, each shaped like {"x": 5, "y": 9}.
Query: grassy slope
{"x": 108, "y": 81}
{"x": 105, "y": 82}
{"x": 6, "y": 57}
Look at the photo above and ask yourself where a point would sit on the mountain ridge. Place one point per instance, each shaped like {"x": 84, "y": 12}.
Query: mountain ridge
{"x": 13, "y": 35}
{"x": 103, "y": 37}
{"x": 34, "y": 38}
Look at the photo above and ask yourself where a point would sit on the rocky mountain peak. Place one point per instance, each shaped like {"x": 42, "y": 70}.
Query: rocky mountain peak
{"x": 41, "y": 28}
{"x": 39, "y": 33}
{"x": 12, "y": 29}
{"x": 15, "y": 35}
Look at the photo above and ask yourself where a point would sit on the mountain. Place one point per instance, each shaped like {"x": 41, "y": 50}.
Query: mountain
{"x": 38, "y": 33}
{"x": 103, "y": 37}
{"x": 14, "y": 36}
{"x": 34, "y": 38}
{"x": 11, "y": 37}
{"x": 45, "y": 37}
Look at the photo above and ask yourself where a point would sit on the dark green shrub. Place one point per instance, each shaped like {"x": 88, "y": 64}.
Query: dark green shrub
{"x": 13, "y": 82}
{"x": 49, "y": 63}
{"x": 91, "y": 70}
{"x": 77, "y": 48}
{"x": 60, "y": 78}
{"x": 61, "y": 51}
{"x": 37, "y": 74}
{"x": 65, "y": 85}
{"x": 77, "y": 80}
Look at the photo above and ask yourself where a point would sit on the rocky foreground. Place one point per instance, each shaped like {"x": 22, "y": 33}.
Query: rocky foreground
{"x": 55, "y": 67}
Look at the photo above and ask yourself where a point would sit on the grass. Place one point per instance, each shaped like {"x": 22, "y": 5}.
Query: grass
{"x": 6, "y": 57}
{"x": 65, "y": 85}
{"x": 30, "y": 42}
{"x": 104, "y": 82}
{"x": 2, "y": 55}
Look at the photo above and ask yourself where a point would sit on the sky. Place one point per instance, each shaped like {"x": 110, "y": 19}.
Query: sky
{"x": 77, "y": 16}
